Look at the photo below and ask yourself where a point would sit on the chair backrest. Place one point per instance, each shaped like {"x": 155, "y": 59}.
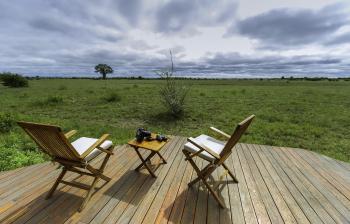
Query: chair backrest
{"x": 237, "y": 134}
{"x": 51, "y": 140}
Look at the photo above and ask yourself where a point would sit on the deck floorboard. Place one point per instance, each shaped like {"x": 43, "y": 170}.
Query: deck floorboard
{"x": 276, "y": 185}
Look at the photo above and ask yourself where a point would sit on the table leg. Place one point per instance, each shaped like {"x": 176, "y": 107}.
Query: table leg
{"x": 144, "y": 162}
{"x": 149, "y": 157}
{"x": 164, "y": 161}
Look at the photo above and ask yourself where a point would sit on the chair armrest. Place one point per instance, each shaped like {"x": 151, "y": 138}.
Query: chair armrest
{"x": 70, "y": 133}
{"x": 105, "y": 150}
{"x": 203, "y": 147}
{"x": 220, "y": 132}
{"x": 95, "y": 145}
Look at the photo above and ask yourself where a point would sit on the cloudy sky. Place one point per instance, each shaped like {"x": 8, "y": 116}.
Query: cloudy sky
{"x": 221, "y": 38}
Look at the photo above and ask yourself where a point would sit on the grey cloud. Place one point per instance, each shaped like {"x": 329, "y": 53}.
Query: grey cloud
{"x": 47, "y": 36}
{"x": 185, "y": 16}
{"x": 340, "y": 39}
{"x": 235, "y": 58}
{"x": 130, "y": 9}
{"x": 51, "y": 24}
{"x": 290, "y": 27}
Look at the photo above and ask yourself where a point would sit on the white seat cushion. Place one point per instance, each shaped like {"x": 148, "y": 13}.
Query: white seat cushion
{"x": 83, "y": 143}
{"x": 215, "y": 145}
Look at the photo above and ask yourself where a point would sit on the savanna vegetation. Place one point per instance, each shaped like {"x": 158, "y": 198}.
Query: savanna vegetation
{"x": 314, "y": 115}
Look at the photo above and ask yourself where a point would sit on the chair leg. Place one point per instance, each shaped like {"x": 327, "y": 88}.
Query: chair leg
{"x": 230, "y": 173}
{"x": 88, "y": 195}
{"x": 98, "y": 174}
{"x": 205, "y": 172}
{"x": 202, "y": 175}
{"x": 216, "y": 197}
{"x": 55, "y": 185}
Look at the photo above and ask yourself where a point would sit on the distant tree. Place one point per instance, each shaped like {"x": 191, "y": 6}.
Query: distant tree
{"x": 103, "y": 69}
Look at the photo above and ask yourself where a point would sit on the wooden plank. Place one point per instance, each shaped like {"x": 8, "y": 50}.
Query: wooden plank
{"x": 225, "y": 213}
{"x": 174, "y": 214}
{"x": 73, "y": 202}
{"x": 342, "y": 213}
{"x": 335, "y": 166}
{"x": 24, "y": 196}
{"x": 334, "y": 174}
{"x": 102, "y": 198}
{"x": 213, "y": 209}
{"x": 265, "y": 195}
{"x": 167, "y": 192}
{"x": 344, "y": 164}
{"x": 171, "y": 197}
{"x": 35, "y": 202}
{"x": 259, "y": 207}
{"x": 128, "y": 209}
{"x": 294, "y": 191}
{"x": 246, "y": 200}
{"x": 135, "y": 213}
{"x": 116, "y": 206}
{"x": 300, "y": 172}
{"x": 272, "y": 193}
{"x": 200, "y": 214}
{"x": 236, "y": 211}
{"x": 301, "y": 185}
{"x": 288, "y": 207}
{"x": 323, "y": 175}
{"x": 4, "y": 175}
{"x": 291, "y": 185}
{"x": 68, "y": 198}
{"x": 188, "y": 213}
{"x": 7, "y": 184}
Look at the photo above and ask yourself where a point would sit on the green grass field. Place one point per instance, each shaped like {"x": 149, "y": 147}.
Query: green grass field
{"x": 313, "y": 115}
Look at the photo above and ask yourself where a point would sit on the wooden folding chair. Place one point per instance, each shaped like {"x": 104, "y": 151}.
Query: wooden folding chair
{"x": 215, "y": 152}
{"x": 74, "y": 157}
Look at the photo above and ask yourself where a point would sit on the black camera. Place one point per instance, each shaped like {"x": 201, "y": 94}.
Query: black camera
{"x": 161, "y": 138}
{"x": 142, "y": 134}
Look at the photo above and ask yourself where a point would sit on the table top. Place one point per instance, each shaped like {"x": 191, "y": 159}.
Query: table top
{"x": 153, "y": 145}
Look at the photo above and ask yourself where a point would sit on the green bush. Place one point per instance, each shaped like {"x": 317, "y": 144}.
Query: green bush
{"x": 13, "y": 80}
{"x": 50, "y": 100}
{"x": 173, "y": 93}
{"x": 54, "y": 99}
{"x": 13, "y": 155}
{"x": 112, "y": 97}
{"x": 62, "y": 87}
{"x": 7, "y": 122}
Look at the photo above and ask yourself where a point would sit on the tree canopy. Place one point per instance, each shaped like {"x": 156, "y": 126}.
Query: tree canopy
{"x": 103, "y": 69}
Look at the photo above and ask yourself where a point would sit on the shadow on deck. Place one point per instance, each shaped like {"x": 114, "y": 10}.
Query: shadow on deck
{"x": 276, "y": 185}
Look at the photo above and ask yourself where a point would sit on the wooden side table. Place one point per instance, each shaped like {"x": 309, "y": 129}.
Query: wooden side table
{"x": 154, "y": 146}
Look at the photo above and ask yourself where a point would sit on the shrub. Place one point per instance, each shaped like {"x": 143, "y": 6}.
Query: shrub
{"x": 13, "y": 80}
{"x": 173, "y": 93}
{"x": 15, "y": 152}
{"x": 54, "y": 100}
{"x": 7, "y": 122}
{"x": 50, "y": 100}
{"x": 112, "y": 97}
{"x": 62, "y": 87}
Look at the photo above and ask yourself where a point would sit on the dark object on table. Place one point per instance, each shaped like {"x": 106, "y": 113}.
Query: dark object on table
{"x": 161, "y": 138}
{"x": 142, "y": 134}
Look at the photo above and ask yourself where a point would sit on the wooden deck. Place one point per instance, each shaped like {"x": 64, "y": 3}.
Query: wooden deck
{"x": 276, "y": 185}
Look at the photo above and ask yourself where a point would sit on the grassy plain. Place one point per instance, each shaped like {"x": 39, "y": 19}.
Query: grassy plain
{"x": 314, "y": 115}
